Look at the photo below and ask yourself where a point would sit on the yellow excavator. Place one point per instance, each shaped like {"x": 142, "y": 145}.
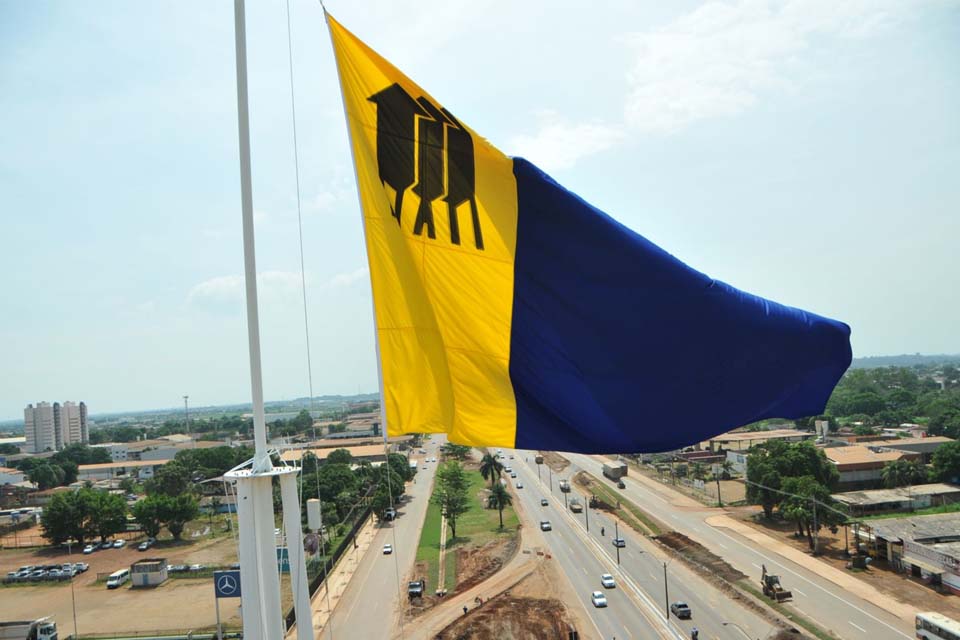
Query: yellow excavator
{"x": 772, "y": 587}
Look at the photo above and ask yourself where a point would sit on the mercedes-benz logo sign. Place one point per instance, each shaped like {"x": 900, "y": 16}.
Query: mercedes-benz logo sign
{"x": 226, "y": 584}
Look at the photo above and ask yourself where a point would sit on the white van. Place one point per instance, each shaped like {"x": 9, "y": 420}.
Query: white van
{"x": 117, "y": 578}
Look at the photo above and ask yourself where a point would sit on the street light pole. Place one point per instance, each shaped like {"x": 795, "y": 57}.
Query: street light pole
{"x": 666, "y": 593}
{"x": 586, "y": 514}
{"x": 551, "y": 478}
{"x": 73, "y": 595}
{"x": 616, "y": 536}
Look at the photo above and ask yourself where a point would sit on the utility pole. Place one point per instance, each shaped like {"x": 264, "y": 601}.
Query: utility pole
{"x": 551, "y": 478}
{"x": 186, "y": 412}
{"x": 719, "y": 499}
{"x": 586, "y": 514}
{"x": 666, "y": 593}
{"x": 616, "y": 537}
{"x": 816, "y": 529}
{"x": 73, "y": 595}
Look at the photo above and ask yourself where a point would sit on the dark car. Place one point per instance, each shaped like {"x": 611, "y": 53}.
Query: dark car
{"x": 681, "y": 610}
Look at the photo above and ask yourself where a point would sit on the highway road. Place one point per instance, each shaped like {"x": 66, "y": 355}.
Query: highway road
{"x": 637, "y": 606}
{"x": 834, "y": 608}
{"x": 370, "y": 607}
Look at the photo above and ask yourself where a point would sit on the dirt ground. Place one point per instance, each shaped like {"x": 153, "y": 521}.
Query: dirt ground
{"x": 554, "y": 460}
{"x": 907, "y": 589}
{"x": 526, "y": 612}
{"x": 191, "y": 599}
{"x": 474, "y": 565}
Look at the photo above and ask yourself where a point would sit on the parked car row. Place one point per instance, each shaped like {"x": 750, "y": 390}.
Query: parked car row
{"x": 106, "y": 544}
{"x": 37, "y": 573}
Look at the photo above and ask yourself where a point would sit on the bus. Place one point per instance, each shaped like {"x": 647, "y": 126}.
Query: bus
{"x": 936, "y": 626}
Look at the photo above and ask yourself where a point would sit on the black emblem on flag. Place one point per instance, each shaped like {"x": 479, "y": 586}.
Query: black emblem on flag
{"x": 425, "y": 147}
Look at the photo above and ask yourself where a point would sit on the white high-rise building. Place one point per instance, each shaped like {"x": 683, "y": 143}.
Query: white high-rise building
{"x": 38, "y": 428}
{"x": 52, "y": 427}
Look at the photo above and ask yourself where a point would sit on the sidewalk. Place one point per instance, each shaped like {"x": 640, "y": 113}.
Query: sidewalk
{"x": 840, "y": 578}
{"x": 338, "y": 579}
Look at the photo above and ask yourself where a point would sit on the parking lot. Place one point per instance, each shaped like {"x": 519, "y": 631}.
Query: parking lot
{"x": 178, "y": 604}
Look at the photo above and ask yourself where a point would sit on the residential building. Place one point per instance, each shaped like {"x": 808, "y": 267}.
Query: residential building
{"x": 11, "y": 476}
{"x": 119, "y": 451}
{"x": 919, "y": 496}
{"x": 926, "y": 547}
{"x": 861, "y": 467}
{"x": 38, "y": 428}
{"x": 52, "y": 427}
{"x": 141, "y": 469}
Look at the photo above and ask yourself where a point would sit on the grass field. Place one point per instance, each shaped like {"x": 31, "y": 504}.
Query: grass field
{"x": 476, "y": 527}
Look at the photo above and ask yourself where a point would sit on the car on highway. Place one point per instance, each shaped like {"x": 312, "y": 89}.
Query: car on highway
{"x": 519, "y": 485}
{"x": 544, "y": 502}
{"x": 607, "y": 580}
{"x": 90, "y": 548}
{"x": 545, "y": 525}
{"x": 681, "y": 610}
{"x": 513, "y": 474}
{"x": 598, "y": 599}
{"x": 619, "y": 542}
{"x": 387, "y": 549}
{"x": 119, "y": 544}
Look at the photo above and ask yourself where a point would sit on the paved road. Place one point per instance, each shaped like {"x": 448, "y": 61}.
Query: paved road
{"x": 847, "y": 615}
{"x": 637, "y": 606}
{"x": 370, "y": 604}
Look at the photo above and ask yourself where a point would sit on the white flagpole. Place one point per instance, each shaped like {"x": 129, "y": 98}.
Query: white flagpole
{"x": 259, "y": 574}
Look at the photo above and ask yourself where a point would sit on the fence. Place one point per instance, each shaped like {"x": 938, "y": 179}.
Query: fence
{"x": 331, "y": 560}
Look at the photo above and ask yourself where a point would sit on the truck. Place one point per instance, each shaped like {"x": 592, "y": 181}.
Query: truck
{"x": 565, "y": 486}
{"x": 772, "y": 587}
{"x": 575, "y": 505}
{"x": 40, "y": 629}
{"x": 614, "y": 470}
{"x": 416, "y": 588}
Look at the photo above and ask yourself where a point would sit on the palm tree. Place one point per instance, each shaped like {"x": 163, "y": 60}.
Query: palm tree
{"x": 498, "y": 499}
{"x": 490, "y": 468}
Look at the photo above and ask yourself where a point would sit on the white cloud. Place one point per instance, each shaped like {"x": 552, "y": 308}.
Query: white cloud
{"x": 558, "y": 143}
{"x": 717, "y": 60}
{"x": 271, "y": 285}
{"x": 347, "y": 278}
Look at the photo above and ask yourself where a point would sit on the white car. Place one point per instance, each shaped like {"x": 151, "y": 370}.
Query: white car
{"x": 387, "y": 549}
{"x": 608, "y": 581}
{"x": 519, "y": 485}
{"x": 89, "y": 549}
{"x": 119, "y": 544}
{"x": 545, "y": 525}
{"x": 598, "y": 599}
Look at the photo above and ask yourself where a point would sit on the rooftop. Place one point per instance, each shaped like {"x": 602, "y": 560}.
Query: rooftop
{"x": 918, "y": 527}
{"x": 892, "y": 442}
{"x": 772, "y": 434}
{"x": 858, "y": 454}
{"x": 123, "y": 464}
{"x": 364, "y": 451}
{"x": 900, "y": 494}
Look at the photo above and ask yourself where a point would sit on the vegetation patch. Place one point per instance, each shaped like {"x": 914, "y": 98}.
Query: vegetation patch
{"x": 632, "y": 515}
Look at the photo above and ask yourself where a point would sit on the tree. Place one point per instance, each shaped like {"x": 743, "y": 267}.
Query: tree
{"x": 150, "y": 513}
{"x": 340, "y": 456}
{"x": 46, "y": 476}
{"x": 172, "y": 479}
{"x": 864, "y": 430}
{"x": 69, "y": 515}
{"x": 8, "y": 449}
{"x": 450, "y": 493}
{"x": 111, "y": 514}
{"x": 178, "y": 512}
{"x": 800, "y": 506}
{"x": 490, "y": 468}
{"x": 902, "y": 473}
{"x": 455, "y": 451}
{"x": 302, "y": 422}
{"x": 401, "y": 466}
{"x": 945, "y": 465}
{"x": 499, "y": 499}
{"x": 128, "y": 485}
{"x": 699, "y": 471}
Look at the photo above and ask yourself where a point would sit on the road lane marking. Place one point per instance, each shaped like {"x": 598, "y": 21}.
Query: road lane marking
{"x": 755, "y": 564}
{"x": 857, "y": 626}
{"x": 721, "y": 544}
{"x": 800, "y": 592}
{"x": 627, "y": 630}
{"x": 814, "y": 584}
{"x": 652, "y": 575}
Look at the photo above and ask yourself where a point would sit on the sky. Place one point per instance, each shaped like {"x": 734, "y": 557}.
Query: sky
{"x": 807, "y": 152}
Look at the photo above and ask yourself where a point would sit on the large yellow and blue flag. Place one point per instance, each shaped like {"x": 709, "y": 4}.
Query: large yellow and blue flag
{"x": 511, "y": 313}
